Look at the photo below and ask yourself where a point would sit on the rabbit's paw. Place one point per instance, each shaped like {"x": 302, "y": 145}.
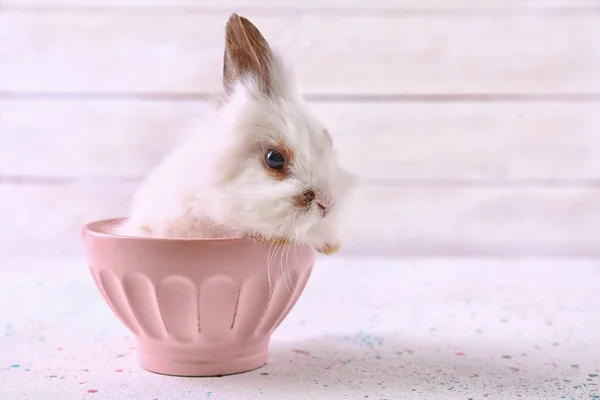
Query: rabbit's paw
{"x": 328, "y": 249}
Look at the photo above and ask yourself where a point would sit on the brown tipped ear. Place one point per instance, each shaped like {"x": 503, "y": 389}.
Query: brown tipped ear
{"x": 247, "y": 55}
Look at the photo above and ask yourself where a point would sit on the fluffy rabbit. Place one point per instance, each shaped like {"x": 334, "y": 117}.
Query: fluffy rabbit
{"x": 272, "y": 172}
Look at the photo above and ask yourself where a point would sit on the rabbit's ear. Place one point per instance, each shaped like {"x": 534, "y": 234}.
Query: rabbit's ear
{"x": 248, "y": 57}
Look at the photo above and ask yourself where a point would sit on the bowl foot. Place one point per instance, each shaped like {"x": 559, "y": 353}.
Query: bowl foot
{"x": 196, "y": 363}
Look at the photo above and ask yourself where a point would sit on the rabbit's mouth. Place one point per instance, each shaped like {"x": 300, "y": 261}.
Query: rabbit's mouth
{"x": 324, "y": 210}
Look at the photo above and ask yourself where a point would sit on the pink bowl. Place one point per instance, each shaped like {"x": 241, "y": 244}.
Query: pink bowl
{"x": 197, "y": 307}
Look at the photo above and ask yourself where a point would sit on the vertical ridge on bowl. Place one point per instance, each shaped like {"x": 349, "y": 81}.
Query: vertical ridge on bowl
{"x": 112, "y": 290}
{"x": 300, "y": 284}
{"x": 141, "y": 295}
{"x": 280, "y": 297}
{"x": 218, "y": 296}
{"x": 176, "y": 297}
{"x": 253, "y": 303}
{"x": 237, "y": 303}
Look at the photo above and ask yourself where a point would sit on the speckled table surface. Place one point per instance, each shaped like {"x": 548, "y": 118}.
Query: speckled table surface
{"x": 364, "y": 328}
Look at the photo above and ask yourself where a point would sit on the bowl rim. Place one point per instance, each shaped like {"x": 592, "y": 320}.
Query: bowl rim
{"x": 95, "y": 228}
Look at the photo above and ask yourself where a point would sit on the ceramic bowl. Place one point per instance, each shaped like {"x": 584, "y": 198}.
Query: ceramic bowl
{"x": 197, "y": 307}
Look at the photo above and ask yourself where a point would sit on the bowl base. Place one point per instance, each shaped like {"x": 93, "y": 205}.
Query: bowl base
{"x": 186, "y": 366}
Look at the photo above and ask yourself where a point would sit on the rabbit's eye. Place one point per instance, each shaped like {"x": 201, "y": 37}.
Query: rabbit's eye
{"x": 274, "y": 159}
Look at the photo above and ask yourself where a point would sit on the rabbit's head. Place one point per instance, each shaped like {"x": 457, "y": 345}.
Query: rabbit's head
{"x": 278, "y": 177}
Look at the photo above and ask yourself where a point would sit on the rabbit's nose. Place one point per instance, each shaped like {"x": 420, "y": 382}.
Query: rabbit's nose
{"x": 309, "y": 196}
{"x": 305, "y": 199}
{"x": 324, "y": 210}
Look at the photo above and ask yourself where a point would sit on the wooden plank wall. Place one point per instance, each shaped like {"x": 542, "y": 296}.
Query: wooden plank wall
{"x": 474, "y": 124}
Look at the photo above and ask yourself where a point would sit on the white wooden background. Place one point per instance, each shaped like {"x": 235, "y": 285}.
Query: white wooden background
{"x": 474, "y": 123}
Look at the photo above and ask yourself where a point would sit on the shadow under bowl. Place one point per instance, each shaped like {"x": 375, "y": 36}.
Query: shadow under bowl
{"x": 197, "y": 307}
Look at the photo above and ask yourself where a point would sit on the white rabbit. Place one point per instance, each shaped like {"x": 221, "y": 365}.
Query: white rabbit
{"x": 272, "y": 172}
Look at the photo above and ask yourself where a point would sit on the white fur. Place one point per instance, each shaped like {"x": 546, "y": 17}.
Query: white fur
{"x": 231, "y": 193}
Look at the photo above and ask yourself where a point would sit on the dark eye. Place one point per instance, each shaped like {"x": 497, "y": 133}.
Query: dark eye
{"x": 274, "y": 159}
